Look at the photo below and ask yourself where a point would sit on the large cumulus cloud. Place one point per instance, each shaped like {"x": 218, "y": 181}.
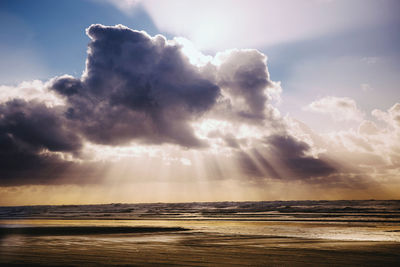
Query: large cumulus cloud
{"x": 142, "y": 89}
{"x": 136, "y": 87}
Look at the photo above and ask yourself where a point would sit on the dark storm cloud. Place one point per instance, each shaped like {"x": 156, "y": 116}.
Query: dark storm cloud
{"x": 35, "y": 126}
{"x": 28, "y": 131}
{"x": 292, "y": 153}
{"x": 281, "y": 153}
{"x": 136, "y": 87}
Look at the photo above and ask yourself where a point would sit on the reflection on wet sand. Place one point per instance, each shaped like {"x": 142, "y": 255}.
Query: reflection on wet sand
{"x": 207, "y": 244}
{"x": 230, "y": 239}
{"x": 83, "y": 230}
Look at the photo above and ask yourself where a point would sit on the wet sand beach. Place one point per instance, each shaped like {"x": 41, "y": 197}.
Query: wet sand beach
{"x": 233, "y": 240}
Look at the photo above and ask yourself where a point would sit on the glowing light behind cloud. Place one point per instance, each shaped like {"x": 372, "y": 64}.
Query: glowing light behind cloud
{"x": 223, "y": 24}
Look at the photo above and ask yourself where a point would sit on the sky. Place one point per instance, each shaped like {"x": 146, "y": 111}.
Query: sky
{"x": 106, "y": 101}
